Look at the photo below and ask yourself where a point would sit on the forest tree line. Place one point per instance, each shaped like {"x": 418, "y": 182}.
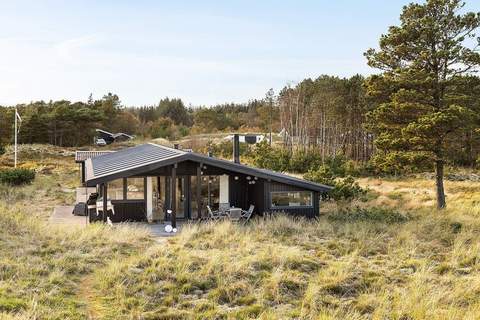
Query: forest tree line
{"x": 324, "y": 116}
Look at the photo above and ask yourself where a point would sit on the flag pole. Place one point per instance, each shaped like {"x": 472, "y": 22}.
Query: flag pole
{"x": 15, "y": 137}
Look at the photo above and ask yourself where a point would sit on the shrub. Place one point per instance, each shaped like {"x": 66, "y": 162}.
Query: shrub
{"x": 323, "y": 175}
{"x": 346, "y": 189}
{"x": 301, "y": 161}
{"x": 16, "y": 176}
{"x": 343, "y": 188}
{"x": 268, "y": 157}
{"x": 162, "y": 128}
{"x": 224, "y": 149}
{"x": 337, "y": 165}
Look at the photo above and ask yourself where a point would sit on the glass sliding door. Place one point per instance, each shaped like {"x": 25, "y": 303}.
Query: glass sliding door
{"x": 209, "y": 195}
{"x": 186, "y": 191}
{"x": 181, "y": 198}
{"x": 214, "y": 191}
{"x": 158, "y": 201}
{"x": 194, "y": 203}
{"x": 209, "y": 191}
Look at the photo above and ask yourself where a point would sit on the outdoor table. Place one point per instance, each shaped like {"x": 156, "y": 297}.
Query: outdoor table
{"x": 235, "y": 214}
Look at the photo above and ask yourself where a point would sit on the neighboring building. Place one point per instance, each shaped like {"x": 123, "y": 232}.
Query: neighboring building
{"x": 109, "y": 137}
{"x": 248, "y": 138}
{"x": 139, "y": 182}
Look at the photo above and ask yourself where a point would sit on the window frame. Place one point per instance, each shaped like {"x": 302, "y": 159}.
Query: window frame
{"x": 110, "y": 187}
{"x": 143, "y": 188}
{"x": 309, "y": 206}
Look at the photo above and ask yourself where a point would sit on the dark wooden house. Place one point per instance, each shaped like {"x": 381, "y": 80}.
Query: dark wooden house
{"x": 148, "y": 181}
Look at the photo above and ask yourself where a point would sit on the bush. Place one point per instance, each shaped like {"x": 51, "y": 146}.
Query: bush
{"x": 337, "y": 164}
{"x": 224, "y": 149}
{"x": 301, "y": 161}
{"x": 16, "y": 176}
{"x": 268, "y": 157}
{"x": 323, "y": 175}
{"x": 2, "y": 149}
{"x": 375, "y": 214}
{"x": 346, "y": 189}
{"x": 343, "y": 188}
{"x": 162, "y": 128}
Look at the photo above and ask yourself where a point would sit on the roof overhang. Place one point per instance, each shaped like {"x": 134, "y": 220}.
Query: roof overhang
{"x": 82, "y": 155}
{"x": 92, "y": 180}
{"x": 260, "y": 173}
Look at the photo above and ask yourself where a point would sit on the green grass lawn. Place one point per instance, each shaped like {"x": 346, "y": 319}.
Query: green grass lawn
{"x": 393, "y": 257}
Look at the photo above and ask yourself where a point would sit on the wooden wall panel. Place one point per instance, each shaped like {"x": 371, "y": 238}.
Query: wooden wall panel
{"x": 129, "y": 210}
{"x": 309, "y": 212}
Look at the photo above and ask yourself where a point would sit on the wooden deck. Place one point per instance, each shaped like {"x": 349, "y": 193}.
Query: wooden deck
{"x": 62, "y": 215}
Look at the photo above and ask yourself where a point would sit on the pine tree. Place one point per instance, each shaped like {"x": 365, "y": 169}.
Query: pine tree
{"x": 421, "y": 61}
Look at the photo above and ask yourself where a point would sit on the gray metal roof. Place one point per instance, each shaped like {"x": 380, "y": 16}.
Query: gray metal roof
{"x": 81, "y": 156}
{"x": 128, "y": 159}
{"x": 146, "y": 157}
{"x": 261, "y": 173}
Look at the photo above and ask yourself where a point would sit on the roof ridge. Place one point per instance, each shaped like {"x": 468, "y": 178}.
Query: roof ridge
{"x": 165, "y": 147}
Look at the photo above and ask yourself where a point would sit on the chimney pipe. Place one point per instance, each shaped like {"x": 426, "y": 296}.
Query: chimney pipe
{"x": 236, "y": 148}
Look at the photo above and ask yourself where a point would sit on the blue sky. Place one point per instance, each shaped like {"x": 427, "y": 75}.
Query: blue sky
{"x": 204, "y": 52}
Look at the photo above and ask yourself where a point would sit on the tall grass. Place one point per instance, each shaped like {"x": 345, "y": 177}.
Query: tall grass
{"x": 41, "y": 266}
{"x": 283, "y": 268}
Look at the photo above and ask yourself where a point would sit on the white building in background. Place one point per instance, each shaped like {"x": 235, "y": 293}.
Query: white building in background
{"x": 248, "y": 138}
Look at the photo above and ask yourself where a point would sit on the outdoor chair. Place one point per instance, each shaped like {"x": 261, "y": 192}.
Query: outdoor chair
{"x": 100, "y": 207}
{"x": 223, "y": 208}
{"x": 247, "y": 214}
{"x": 235, "y": 214}
{"x": 214, "y": 215}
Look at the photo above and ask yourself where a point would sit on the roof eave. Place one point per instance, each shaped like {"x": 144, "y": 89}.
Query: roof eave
{"x": 254, "y": 171}
{"x": 93, "y": 181}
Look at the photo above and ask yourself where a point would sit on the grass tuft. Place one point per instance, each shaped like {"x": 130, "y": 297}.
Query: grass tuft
{"x": 373, "y": 214}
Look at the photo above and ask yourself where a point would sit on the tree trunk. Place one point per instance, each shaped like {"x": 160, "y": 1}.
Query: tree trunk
{"x": 439, "y": 183}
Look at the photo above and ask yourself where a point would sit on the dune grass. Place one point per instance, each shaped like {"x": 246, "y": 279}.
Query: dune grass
{"x": 279, "y": 268}
{"x": 391, "y": 257}
{"x": 43, "y": 268}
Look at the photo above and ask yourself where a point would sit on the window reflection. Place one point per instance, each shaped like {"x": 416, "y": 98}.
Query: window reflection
{"x": 291, "y": 199}
{"x": 135, "y": 188}
{"x": 115, "y": 189}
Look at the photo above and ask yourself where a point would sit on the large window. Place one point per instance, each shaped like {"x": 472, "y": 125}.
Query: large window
{"x": 282, "y": 199}
{"x": 135, "y": 188}
{"x": 115, "y": 189}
